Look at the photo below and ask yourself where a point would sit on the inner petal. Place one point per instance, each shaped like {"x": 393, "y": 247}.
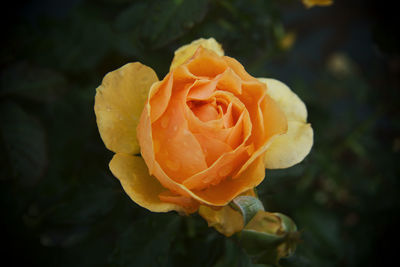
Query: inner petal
{"x": 171, "y": 130}
{"x": 206, "y": 111}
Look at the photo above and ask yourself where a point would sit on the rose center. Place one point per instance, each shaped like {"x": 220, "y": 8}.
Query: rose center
{"x": 215, "y": 109}
{"x": 206, "y": 110}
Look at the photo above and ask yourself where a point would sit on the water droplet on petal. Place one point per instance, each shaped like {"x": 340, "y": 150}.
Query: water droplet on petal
{"x": 173, "y": 165}
{"x": 225, "y": 170}
{"x": 164, "y": 122}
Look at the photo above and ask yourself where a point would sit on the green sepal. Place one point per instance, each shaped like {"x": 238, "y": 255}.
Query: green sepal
{"x": 248, "y": 206}
{"x": 269, "y": 237}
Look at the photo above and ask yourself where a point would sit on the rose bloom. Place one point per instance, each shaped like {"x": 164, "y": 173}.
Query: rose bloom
{"x": 206, "y": 132}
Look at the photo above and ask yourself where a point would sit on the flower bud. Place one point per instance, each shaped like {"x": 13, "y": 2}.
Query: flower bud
{"x": 268, "y": 237}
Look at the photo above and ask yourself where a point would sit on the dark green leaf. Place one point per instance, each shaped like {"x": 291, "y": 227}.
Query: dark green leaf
{"x": 24, "y": 140}
{"x": 169, "y": 19}
{"x": 32, "y": 82}
{"x": 147, "y": 241}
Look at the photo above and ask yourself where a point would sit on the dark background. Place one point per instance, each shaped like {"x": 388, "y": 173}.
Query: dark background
{"x": 60, "y": 205}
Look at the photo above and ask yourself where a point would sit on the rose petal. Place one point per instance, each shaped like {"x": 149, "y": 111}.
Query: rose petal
{"x": 226, "y": 220}
{"x": 187, "y": 51}
{"x": 269, "y": 117}
{"x": 172, "y": 133}
{"x": 238, "y": 69}
{"x": 222, "y": 193}
{"x": 288, "y": 101}
{"x": 138, "y": 184}
{"x": 206, "y": 63}
{"x": 212, "y": 148}
{"x": 160, "y": 94}
{"x": 189, "y": 204}
{"x": 291, "y": 148}
{"x": 118, "y": 104}
{"x": 230, "y": 81}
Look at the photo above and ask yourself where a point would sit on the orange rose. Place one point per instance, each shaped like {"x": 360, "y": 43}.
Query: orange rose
{"x": 206, "y": 132}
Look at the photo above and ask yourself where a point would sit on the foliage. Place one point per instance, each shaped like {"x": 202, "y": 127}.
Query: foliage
{"x": 60, "y": 204}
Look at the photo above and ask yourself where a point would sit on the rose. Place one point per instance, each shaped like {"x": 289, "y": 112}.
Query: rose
{"x": 206, "y": 132}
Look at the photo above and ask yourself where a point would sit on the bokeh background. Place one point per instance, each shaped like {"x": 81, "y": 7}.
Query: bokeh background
{"x": 61, "y": 206}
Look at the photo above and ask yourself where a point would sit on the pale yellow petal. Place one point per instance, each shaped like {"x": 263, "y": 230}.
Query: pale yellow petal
{"x": 288, "y": 101}
{"x": 289, "y": 149}
{"x": 142, "y": 188}
{"x": 187, "y": 51}
{"x": 118, "y": 104}
{"x": 225, "y": 220}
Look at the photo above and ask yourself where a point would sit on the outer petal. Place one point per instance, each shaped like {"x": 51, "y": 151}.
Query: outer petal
{"x": 226, "y": 220}
{"x": 185, "y": 52}
{"x": 142, "y": 188}
{"x": 288, "y": 101}
{"x": 291, "y": 148}
{"x": 118, "y": 104}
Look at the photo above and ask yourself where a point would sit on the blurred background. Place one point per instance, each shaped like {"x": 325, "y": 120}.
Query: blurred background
{"x": 60, "y": 204}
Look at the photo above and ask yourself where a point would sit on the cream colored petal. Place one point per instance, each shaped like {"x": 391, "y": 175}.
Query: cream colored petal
{"x": 289, "y": 149}
{"x": 185, "y": 52}
{"x": 142, "y": 188}
{"x": 226, "y": 220}
{"x": 289, "y": 102}
{"x": 118, "y": 104}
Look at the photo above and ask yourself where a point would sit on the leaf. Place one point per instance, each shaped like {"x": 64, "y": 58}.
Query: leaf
{"x": 146, "y": 242}
{"x": 170, "y": 19}
{"x": 24, "y": 141}
{"x": 75, "y": 44}
{"x": 32, "y": 82}
{"x": 248, "y": 206}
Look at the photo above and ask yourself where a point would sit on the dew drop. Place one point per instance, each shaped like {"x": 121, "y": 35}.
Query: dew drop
{"x": 173, "y": 165}
{"x": 164, "y": 122}
{"x": 225, "y": 170}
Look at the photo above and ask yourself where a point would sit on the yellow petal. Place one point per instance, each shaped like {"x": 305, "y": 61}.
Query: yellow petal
{"x": 289, "y": 149}
{"x": 118, "y": 104}
{"x": 288, "y": 101}
{"x": 142, "y": 188}
{"x": 311, "y": 3}
{"x": 226, "y": 220}
{"x": 186, "y": 52}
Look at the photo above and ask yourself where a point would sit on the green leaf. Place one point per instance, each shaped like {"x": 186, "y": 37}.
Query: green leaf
{"x": 75, "y": 44}
{"x": 248, "y": 206}
{"x": 170, "y": 19}
{"x": 24, "y": 141}
{"x": 146, "y": 242}
{"x": 32, "y": 82}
